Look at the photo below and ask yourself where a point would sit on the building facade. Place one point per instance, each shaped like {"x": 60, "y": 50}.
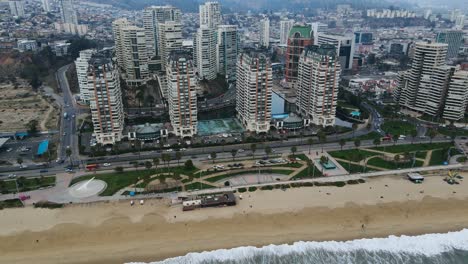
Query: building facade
{"x": 204, "y": 46}
{"x": 344, "y": 47}
{"x": 457, "y": 96}
{"x": 16, "y": 8}
{"x": 299, "y": 38}
{"x": 264, "y": 32}
{"x": 182, "y": 95}
{"x": 227, "y": 49}
{"x": 454, "y": 40}
{"x": 317, "y": 90}
{"x": 82, "y": 66}
{"x": 68, "y": 12}
{"x": 152, "y": 17}
{"x": 285, "y": 27}
{"x": 254, "y": 90}
{"x": 170, "y": 39}
{"x": 210, "y": 15}
{"x": 47, "y": 5}
{"x": 105, "y": 100}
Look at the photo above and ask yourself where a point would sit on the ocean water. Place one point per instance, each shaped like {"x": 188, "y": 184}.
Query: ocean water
{"x": 447, "y": 248}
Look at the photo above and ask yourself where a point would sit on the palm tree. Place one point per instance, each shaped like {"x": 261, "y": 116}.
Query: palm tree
{"x": 148, "y": 165}
{"x": 135, "y": 165}
{"x": 452, "y": 137}
{"x": 342, "y": 143}
{"x": 233, "y": 154}
{"x": 253, "y": 148}
{"x": 323, "y": 159}
{"x": 293, "y": 150}
{"x": 377, "y": 141}
{"x": 19, "y": 160}
{"x": 310, "y": 141}
{"x": 68, "y": 152}
{"x": 354, "y": 127}
{"x": 396, "y": 159}
{"x": 268, "y": 151}
{"x": 368, "y": 126}
{"x": 166, "y": 158}
{"x": 357, "y": 143}
{"x": 213, "y": 156}
{"x": 432, "y": 134}
{"x": 414, "y": 134}
{"x": 178, "y": 156}
{"x": 156, "y": 162}
{"x": 395, "y": 138}
{"x": 140, "y": 95}
{"x": 322, "y": 138}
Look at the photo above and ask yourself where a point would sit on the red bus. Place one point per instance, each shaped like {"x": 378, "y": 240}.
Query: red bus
{"x": 91, "y": 167}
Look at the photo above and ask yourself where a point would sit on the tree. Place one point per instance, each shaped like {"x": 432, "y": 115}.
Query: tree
{"x": 135, "y": 165}
{"x": 79, "y": 44}
{"x": 395, "y": 138}
{"x": 357, "y": 143}
{"x": 189, "y": 164}
{"x": 396, "y": 159}
{"x": 432, "y": 133}
{"x": 213, "y": 156}
{"x": 233, "y": 154}
{"x": 376, "y": 141}
{"x": 368, "y": 126}
{"x": 178, "y": 156}
{"x": 342, "y": 143}
{"x": 414, "y": 134}
{"x": 162, "y": 179}
{"x": 293, "y": 150}
{"x": 31, "y": 126}
{"x": 156, "y": 162}
{"x": 452, "y": 137}
{"x": 148, "y": 165}
{"x": 354, "y": 127}
{"x": 68, "y": 152}
{"x": 268, "y": 151}
{"x": 119, "y": 169}
{"x": 19, "y": 160}
{"x": 310, "y": 141}
{"x": 322, "y": 138}
{"x": 253, "y": 148}
{"x": 323, "y": 159}
{"x": 166, "y": 158}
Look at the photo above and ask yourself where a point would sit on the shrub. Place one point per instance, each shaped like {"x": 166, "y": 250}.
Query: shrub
{"x": 339, "y": 184}
{"x": 252, "y": 189}
{"x": 352, "y": 182}
{"x": 361, "y": 181}
{"x": 308, "y": 184}
{"x": 268, "y": 187}
{"x": 242, "y": 190}
{"x": 285, "y": 186}
{"x": 47, "y": 204}
{"x": 189, "y": 165}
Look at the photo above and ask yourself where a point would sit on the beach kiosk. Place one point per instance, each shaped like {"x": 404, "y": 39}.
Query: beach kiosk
{"x": 415, "y": 177}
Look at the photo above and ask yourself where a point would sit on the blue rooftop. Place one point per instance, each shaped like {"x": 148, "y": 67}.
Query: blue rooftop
{"x": 43, "y": 147}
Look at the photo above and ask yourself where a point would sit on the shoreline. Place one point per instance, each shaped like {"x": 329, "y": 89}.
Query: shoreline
{"x": 117, "y": 233}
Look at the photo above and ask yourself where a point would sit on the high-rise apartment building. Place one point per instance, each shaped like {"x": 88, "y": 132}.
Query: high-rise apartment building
{"x": 423, "y": 87}
{"x": 47, "y": 5}
{"x": 299, "y": 38}
{"x": 210, "y": 15}
{"x": 363, "y": 37}
{"x": 344, "y": 47}
{"x": 105, "y": 99}
{"x": 16, "y": 8}
{"x": 152, "y": 17}
{"x": 226, "y": 51}
{"x": 457, "y": 96}
{"x": 318, "y": 27}
{"x": 204, "y": 47}
{"x": 170, "y": 39}
{"x": 182, "y": 95}
{"x": 285, "y": 27}
{"x": 82, "y": 66}
{"x": 130, "y": 45}
{"x": 254, "y": 90}
{"x": 460, "y": 22}
{"x": 317, "y": 89}
{"x": 68, "y": 12}
{"x": 454, "y": 40}
{"x": 264, "y": 32}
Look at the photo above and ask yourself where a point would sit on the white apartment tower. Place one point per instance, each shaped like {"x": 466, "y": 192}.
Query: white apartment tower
{"x": 210, "y": 15}
{"x": 182, "y": 95}
{"x": 264, "y": 32}
{"x": 68, "y": 12}
{"x": 254, "y": 89}
{"x": 47, "y": 5}
{"x": 16, "y": 8}
{"x": 204, "y": 47}
{"x": 152, "y": 17}
{"x": 82, "y": 66}
{"x": 344, "y": 47}
{"x": 105, "y": 99}
{"x": 170, "y": 39}
{"x": 226, "y": 51}
{"x": 130, "y": 44}
{"x": 317, "y": 89}
{"x": 285, "y": 28}
{"x": 457, "y": 96}
{"x": 423, "y": 87}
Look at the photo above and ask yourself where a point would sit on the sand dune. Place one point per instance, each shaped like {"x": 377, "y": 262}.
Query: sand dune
{"x": 117, "y": 233}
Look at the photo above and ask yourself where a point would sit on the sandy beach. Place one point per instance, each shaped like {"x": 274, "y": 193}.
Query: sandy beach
{"x": 118, "y": 233}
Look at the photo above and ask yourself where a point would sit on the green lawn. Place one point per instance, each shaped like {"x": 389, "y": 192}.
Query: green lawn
{"x": 397, "y": 127}
{"x": 421, "y": 154}
{"x": 26, "y": 184}
{"x": 371, "y": 135}
{"x": 234, "y": 174}
{"x": 413, "y": 147}
{"x": 353, "y": 168}
{"x": 381, "y": 163}
{"x": 116, "y": 181}
{"x": 10, "y": 203}
{"x": 448, "y": 131}
{"x": 352, "y": 154}
{"x": 198, "y": 186}
{"x": 440, "y": 155}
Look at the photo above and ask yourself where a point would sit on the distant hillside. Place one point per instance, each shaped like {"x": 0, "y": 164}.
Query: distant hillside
{"x": 245, "y": 5}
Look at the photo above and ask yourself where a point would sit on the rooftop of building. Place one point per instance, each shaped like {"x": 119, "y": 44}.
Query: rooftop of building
{"x": 324, "y": 49}
{"x": 304, "y": 31}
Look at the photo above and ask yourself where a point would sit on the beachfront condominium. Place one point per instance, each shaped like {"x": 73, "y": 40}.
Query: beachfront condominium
{"x": 318, "y": 27}
{"x": 264, "y": 32}
{"x": 170, "y": 39}
{"x": 226, "y": 51}
{"x": 204, "y": 51}
{"x": 16, "y": 8}
{"x": 285, "y": 27}
{"x": 130, "y": 45}
{"x": 454, "y": 40}
{"x": 254, "y": 89}
{"x": 68, "y": 12}
{"x": 210, "y": 15}
{"x": 423, "y": 87}
{"x": 344, "y": 47}
{"x": 460, "y": 22}
{"x": 317, "y": 88}
{"x": 47, "y": 5}
{"x": 182, "y": 95}
{"x": 152, "y": 17}
{"x": 457, "y": 96}
{"x": 105, "y": 99}
{"x": 299, "y": 37}
{"x": 81, "y": 66}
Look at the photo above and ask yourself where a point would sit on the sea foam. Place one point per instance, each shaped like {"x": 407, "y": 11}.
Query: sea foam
{"x": 426, "y": 245}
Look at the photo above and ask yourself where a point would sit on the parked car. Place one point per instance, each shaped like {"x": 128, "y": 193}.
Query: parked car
{"x": 106, "y": 164}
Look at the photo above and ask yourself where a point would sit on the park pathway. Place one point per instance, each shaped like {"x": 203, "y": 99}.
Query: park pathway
{"x": 427, "y": 160}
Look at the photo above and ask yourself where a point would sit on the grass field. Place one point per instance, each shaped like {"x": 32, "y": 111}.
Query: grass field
{"x": 396, "y": 127}
{"x": 371, "y": 135}
{"x": 27, "y": 184}
{"x": 440, "y": 155}
{"x": 413, "y": 147}
{"x": 448, "y": 131}
{"x": 352, "y": 154}
{"x": 234, "y": 174}
{"x": 353, "y": 168}
{"x": 10, "y": 203}
{"x": 381, "y": 163}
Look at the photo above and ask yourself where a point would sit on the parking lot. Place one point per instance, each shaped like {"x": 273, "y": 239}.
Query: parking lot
{"x": 26, "y": 149}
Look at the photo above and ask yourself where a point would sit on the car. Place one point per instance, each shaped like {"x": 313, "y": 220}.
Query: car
{"x": 169, "y": 150}
{"x": 68, "y": 170}
{"x": 12, "y": 176}
{"x": 43, "y": 171}
{"x": 106, "y": 164}
{"x": 240, "y": 150}
{"x": 183, "y": 149}
{"x": 9, "y": 150}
